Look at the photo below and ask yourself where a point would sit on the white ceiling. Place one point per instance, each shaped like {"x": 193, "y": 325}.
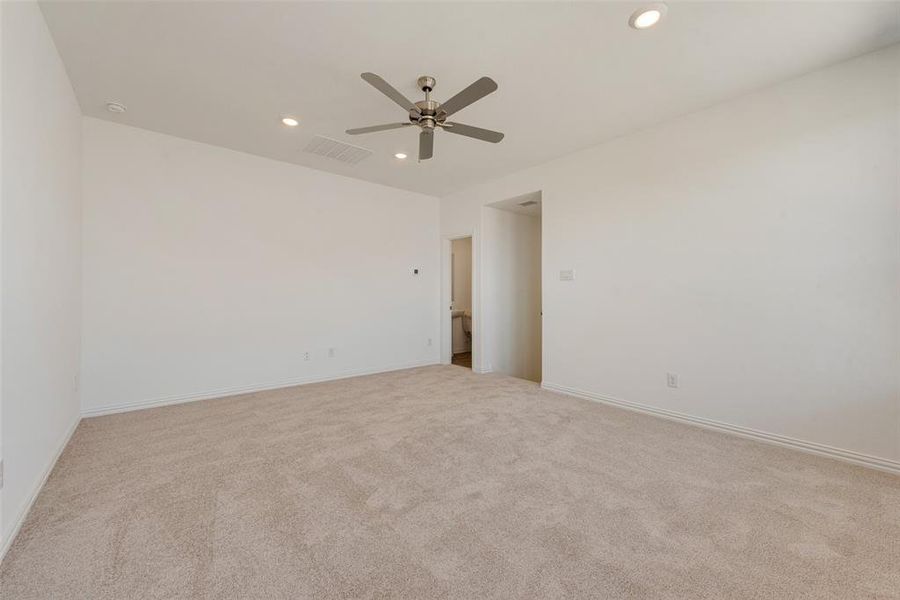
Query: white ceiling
{"x": 570, "y": 75}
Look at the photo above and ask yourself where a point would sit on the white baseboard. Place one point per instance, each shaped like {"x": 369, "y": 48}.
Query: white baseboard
{"x": 246, "y": 389}
{"x": 20, "y": 518}
{"x": 873, "y": 462}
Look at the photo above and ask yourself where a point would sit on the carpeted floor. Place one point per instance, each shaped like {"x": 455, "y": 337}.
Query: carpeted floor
{"x": 439, "y": 483}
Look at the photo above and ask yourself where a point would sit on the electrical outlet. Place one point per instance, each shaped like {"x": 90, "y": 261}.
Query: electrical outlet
{"x": 331, "y": 353}
{"x": 306, "y": 356}
{"x": 672, "y": 380}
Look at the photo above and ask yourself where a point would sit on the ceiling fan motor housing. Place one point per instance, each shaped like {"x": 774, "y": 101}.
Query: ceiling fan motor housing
{"x": 429, "y": 114}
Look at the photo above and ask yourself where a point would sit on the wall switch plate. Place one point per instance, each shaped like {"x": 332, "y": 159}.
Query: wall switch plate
{"x": 429, "y": 341}
{"x": 567, "y": 275}
{"x": 672, "y": 380}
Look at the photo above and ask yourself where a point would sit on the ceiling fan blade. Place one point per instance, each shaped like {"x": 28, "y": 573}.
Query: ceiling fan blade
{"x": 375, "y": 128}
{"x": 473, "y": 132}
{"x": 426, "y": 144}
{"x": 388, "y": 90}
{"x": 476, "y": 91}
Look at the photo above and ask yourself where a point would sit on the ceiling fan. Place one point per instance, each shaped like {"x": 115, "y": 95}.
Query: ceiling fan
{"x": 429, "y": 114}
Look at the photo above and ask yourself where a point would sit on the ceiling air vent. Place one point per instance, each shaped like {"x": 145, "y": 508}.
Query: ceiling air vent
{"x": 346, "y": 153}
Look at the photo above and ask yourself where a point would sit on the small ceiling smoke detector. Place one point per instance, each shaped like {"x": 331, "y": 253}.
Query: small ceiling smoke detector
{"x": 290, "y": 121}
{"x": 115, "y": 107}
{"x": 648, "y": 16}
{"x": 400, "y": 155}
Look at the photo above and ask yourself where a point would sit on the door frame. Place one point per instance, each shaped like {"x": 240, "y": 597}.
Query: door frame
{"x": 446, "y": 288}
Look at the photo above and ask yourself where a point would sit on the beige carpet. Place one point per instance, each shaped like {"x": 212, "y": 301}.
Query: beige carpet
{"x": 439, "y": 483}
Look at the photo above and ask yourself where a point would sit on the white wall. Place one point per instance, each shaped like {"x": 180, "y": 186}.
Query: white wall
{"x": 461, "y": 250}
{"x": 752, "y": 248}
{"x": 209, "y": 271}
{"x": 512, "y": 281}
{"x": 41, "y": 258}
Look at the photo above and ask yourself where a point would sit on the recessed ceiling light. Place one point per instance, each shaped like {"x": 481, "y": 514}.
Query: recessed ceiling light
{"x": 290, "y": 121}
{"x": 647, "y": 17}
{"x": 115, "y": 107}
{"x": 400, "y": 155}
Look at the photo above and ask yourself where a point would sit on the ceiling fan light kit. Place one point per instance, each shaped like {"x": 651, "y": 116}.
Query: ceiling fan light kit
{"x": 429, "y": 114}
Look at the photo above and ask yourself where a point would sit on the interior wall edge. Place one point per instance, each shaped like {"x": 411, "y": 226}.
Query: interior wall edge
{"x": 287, "y": 163}
{"x": 849, "y": 456}
{"x": 110, "y": 409}
{"x": 36, "y": 490}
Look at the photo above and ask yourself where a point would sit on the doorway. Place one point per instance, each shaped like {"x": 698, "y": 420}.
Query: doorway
{"x": 461, "y": 302}
{"x": 512, "y": 266}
